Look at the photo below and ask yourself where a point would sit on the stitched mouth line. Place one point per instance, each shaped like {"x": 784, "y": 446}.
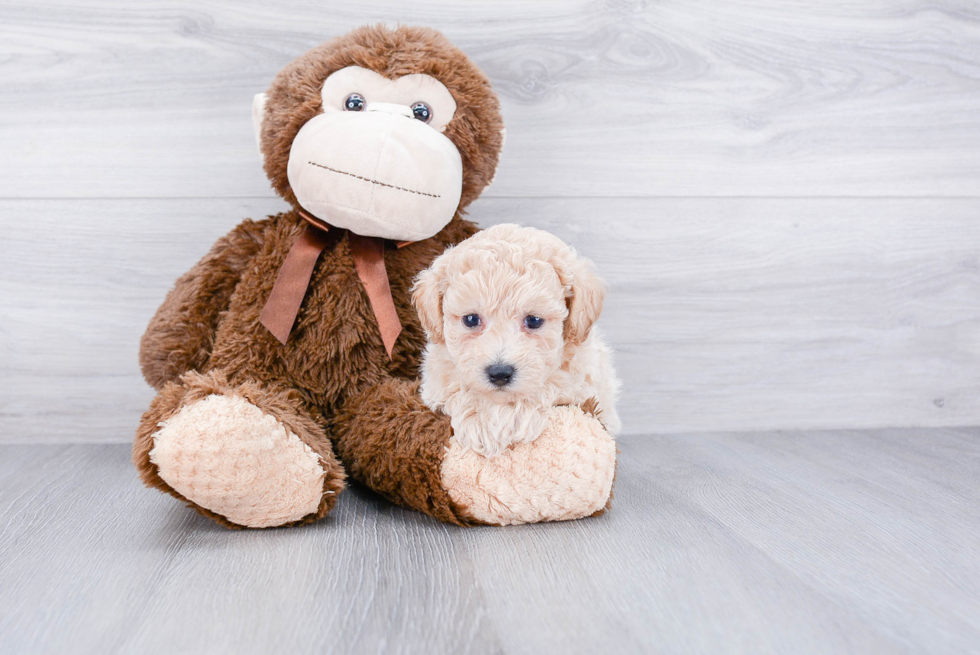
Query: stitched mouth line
{"x": 367, "y": 179}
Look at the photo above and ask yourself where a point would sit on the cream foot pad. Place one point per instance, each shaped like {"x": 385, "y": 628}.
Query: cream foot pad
{"x": 230, "y": 457}
{"x": 566, "y": 473}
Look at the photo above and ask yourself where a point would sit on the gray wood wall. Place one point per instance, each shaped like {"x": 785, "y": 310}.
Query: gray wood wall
{"x": 783, "y": 196}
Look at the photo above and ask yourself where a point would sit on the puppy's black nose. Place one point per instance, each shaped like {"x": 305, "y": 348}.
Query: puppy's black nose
{"x": 500, "y": 374}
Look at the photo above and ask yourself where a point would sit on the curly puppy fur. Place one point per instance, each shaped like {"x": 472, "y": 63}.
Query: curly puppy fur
{"x": 503, "y": 275}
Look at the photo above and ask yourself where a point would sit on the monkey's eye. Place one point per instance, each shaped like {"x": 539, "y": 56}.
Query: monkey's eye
{"x": 471, "y": 320}
{"x": 532, "y": 322}
{"x": 422, "y": 112}
{"x": 354, "y": 102}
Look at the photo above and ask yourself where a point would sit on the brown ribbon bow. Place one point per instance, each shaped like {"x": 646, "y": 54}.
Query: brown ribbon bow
{"x": 293, "y": 280}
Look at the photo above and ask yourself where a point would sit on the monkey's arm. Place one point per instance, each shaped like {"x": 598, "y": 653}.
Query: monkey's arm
{"x": 180, "y": 335}
{"x": 391, "y": 442}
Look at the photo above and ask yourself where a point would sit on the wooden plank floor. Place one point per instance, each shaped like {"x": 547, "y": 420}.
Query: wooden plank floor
{"x": 772, "y": 542}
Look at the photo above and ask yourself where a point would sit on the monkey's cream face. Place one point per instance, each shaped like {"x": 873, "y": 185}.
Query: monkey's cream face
{"x": 503, "y": 328}
{"x": 376, "y": 160}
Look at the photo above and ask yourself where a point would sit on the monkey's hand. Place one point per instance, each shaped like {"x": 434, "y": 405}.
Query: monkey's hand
{"x": 390, "y": 441}
{"x": 180, "y": 335}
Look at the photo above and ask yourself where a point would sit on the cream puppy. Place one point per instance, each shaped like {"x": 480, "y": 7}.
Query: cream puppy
{"x": 509, "y": 315}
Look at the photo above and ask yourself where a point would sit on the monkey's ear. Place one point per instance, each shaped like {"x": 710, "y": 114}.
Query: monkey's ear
{"x": 258, "y": 114}
{"x": 427, "y": 298}
{"x": 585, "y": 303}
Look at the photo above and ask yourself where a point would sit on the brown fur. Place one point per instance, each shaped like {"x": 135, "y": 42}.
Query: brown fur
{"x": 180, "y": 336}
{"x": 334, "y": 363}
{"x": 394, "y": 444}
{"x": 334, "y": 350}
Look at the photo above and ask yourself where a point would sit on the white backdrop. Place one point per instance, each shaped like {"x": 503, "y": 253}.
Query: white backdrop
{"x": 783, "y": 196}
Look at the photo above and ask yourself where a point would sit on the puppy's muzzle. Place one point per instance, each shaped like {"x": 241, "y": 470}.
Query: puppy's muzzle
{"x": 500, "y": 375}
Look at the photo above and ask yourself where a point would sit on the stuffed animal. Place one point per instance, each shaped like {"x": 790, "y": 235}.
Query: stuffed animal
{"x": 287, "y": 358}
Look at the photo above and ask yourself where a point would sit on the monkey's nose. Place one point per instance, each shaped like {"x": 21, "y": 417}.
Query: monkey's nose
{"x": 500, "y": 374}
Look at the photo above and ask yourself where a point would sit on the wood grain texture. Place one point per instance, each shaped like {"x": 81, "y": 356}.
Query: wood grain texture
{"x": 128, "y": 150}
{"x": 809, "y": 542}
{"x": 106, "y": 98}
{"x": 726, "y": 314}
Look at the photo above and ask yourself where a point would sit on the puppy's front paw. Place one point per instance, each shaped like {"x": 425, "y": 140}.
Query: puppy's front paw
{"x": 566, "y": 473}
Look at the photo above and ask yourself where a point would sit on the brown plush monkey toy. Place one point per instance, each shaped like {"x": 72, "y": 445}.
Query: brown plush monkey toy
{"x": 289, "y": 354}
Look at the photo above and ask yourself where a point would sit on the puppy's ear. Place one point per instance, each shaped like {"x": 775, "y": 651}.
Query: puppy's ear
{"x": 585, "y": 303}
{"x": 427, "y": 298}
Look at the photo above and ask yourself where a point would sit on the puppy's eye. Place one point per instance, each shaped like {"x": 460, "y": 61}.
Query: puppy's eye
{"x": 471, "y": 320}
{"x": 354, "y": 102}
{"x": 533, "y": 322}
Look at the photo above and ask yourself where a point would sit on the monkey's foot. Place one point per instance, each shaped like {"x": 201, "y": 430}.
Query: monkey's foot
{"x": 243, "y": 465}
{"x": 566, "y": 473}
